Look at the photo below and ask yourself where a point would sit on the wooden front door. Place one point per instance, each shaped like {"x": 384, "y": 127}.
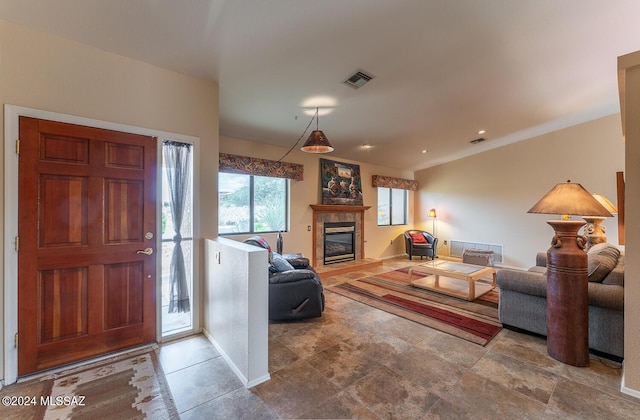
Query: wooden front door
{"x": 86, "y": 210}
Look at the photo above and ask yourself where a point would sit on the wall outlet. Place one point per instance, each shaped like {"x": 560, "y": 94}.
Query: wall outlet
{"x": 445, "y": 242}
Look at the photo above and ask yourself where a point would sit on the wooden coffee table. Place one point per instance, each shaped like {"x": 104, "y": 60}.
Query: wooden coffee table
{"x": 454, "y": 278}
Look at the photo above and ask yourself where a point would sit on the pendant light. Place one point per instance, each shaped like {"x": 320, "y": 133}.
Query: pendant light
{"x": 317, "y": 141}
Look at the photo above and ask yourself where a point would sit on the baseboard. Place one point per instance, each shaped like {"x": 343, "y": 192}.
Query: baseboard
{"x": 633, "y": 392}
{"x": 246, "y": 382}
{"x": 258, "y": 381}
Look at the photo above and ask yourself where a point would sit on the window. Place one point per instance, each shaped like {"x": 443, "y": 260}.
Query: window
{"x": 392, "y": 206}
{"x": 252, "y": 204}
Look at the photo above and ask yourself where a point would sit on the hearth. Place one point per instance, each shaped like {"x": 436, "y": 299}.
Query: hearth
{"x": 339, "y": 242}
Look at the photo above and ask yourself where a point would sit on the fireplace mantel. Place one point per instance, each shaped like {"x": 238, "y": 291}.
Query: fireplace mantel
{"x": 336, "y": 213}
{"x": 337, "y": 208}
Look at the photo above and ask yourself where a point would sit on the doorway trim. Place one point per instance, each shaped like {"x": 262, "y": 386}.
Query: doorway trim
{"x": 9, "y": 294}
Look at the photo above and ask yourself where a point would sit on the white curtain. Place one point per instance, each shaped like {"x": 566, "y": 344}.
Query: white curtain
{"x": 177, "y": 158}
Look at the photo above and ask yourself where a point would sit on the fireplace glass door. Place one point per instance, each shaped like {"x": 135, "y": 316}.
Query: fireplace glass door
{"x": 339, "y": 242}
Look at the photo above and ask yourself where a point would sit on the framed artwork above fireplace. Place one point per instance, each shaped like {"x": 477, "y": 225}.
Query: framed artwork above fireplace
{"x": 340, "y": 183}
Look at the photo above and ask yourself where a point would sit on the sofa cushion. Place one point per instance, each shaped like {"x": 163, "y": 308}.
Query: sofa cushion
{"x": 616, "y": 276}
{"x": 602, "y": 258}
{"x": 280, "y": 264}
{"x": 418, "y": 238}
{"x": 598, "y": 248}
{"x": 525, "y": 282}
{"x": 297, "y": 260}
{"x": 538, "y": 269}
{"x": 293, "y": 276}
{"x": 606, "y": 296}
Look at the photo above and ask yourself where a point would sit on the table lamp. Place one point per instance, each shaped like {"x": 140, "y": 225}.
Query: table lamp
{"x": 567, "y": 279}
{"x": 594, "y": 230}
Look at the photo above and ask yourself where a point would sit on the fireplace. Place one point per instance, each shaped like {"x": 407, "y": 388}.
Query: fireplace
{"x": 323, "y": 214}
{"x": 339, "y": 242}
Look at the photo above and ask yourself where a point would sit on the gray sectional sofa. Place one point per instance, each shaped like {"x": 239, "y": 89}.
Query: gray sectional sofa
{"x": 523, "y": 302}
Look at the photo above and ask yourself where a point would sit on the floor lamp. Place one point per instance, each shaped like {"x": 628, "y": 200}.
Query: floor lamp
{"x": 567, "y": 280}
{"x": 432, "y": 214}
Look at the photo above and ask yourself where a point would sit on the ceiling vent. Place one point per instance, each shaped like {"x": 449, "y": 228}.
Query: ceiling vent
{"x": 476, "y": 141}
{"x": 358, "y": 79}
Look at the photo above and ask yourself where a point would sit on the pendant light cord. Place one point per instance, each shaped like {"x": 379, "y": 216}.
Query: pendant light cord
{"x": 301, "y": 137}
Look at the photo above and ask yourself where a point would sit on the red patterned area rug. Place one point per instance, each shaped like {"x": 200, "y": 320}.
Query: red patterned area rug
{"x": 475, "y": 321}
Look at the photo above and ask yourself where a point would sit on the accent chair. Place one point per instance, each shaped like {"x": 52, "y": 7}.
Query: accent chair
{"x": 420, "y": 243}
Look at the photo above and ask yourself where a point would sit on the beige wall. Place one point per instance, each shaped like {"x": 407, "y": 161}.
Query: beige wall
{"x": 485, "y": 197}
{"x": 299, "y": 239}
{"x": 52, "y": 74}
{"x": 630, "y": 69}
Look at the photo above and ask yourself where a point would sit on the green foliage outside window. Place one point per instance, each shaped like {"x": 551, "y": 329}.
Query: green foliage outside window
{"x": 244, "y": 199}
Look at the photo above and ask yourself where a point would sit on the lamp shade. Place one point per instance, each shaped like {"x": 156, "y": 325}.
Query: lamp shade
{"x": 432, "y": 213}
{"x": 570, "y": 199}
{"x": 606, "y": 203}
{"x": 317, "y": 143}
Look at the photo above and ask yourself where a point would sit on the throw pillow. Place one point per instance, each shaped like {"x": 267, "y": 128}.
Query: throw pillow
{"x": 280, "y": 264}
{"x": 601, "y": 260}
{"x": 599, "y": 247}
{"x": 418, "y": 238}
{"x": 261, "y": 242}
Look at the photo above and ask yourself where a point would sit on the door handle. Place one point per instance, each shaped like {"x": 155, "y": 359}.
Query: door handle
{"x": 146, "y": 251}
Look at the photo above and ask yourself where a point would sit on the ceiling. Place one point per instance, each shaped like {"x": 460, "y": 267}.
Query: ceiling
{"x": 443, "y": 69}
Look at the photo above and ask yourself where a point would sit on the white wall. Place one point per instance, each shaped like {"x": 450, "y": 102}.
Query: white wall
{"x": 237, "y": 310}
{"x": 53, "y": 74}
{"x": 299, "y": 239}
{"x": 485, "y": 197}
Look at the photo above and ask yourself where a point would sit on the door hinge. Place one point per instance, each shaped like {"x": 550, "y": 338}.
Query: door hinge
{"x": 18, "y": 147}
{"x": 15, "y": 340}
{"x": 17, "y": 243}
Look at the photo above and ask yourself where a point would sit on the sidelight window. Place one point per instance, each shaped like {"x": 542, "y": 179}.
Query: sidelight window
{"x": 177, "y": 237}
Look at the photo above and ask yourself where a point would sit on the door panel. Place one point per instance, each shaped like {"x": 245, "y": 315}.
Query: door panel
{"x": 124, "y": 201}
{"x": 62, "y": 212}
{"x": 124, "y": 291}
{"x": 62, "y": 296}
{"x": 86, "y": 201}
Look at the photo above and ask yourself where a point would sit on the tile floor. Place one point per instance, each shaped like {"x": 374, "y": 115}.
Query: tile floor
{"x": 359, "y": 362}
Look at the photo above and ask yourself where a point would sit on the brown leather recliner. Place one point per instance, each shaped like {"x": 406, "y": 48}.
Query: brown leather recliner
{"x": 420, "y": 243}
{"x": 295, "y": 289}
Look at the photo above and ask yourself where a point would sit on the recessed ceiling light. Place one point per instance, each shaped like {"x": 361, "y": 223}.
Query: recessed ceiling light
{"x": 481, "y": 132}
{"x": 424, "y": 151}
{"x": 323, "y": 104}
{"x": 367, "y": 146}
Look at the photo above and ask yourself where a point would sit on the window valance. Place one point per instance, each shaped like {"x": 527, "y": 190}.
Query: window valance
{"x": 236, "y": 164}
{"x": 391, "y": 182}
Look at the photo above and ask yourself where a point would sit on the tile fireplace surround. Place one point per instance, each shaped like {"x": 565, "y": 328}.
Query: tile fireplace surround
{"x": 336, "y": 213}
